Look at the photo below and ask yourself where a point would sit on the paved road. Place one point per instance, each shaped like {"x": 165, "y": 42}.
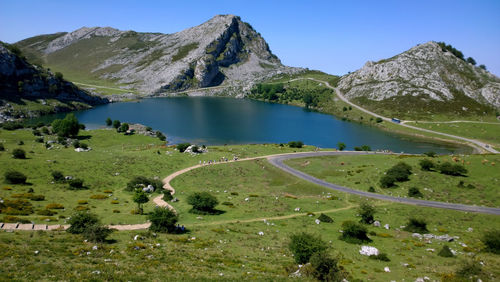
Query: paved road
{"x": 480, "y": 145}
{"x": 278, "y": 162}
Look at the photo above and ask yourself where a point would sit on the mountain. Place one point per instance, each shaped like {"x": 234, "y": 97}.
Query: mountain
{"x": 427, "y": 79}
{"x": 221, "y": 51}
{"x": 28, "y": 90}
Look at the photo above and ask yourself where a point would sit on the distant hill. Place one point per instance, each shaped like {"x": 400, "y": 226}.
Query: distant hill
{"x": 430, "y": 78}
{"x": 223, "y": 50}
{"x": 27, "y": 90}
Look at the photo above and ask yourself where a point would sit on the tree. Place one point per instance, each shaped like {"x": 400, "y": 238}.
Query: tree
{"x": 341, "y": 146}
{"x": 401, "y": 171}
{"x": 295, "y": 144}
{"x": 304, "y": 245}
{"x": 80, "y": 221}
{"x": 414, "y": 192}
{"x": 123, "y": 127}
{"x": 366, "y": 211}
{"x": 325, "y": 268}
{"x": 76, "y": 183}
{"x": 160, "y": 136}
{"x": 353, "y": 232}
{"x": 387, "y": 181}
{"x": 96, "y": 233}
{"x": 109, "y": 122}
{"x": 426, "y": 164}
{"x": 66, "y": 127}
{"x": 470, "y": 60}
{"x": 141, "y": 181}
{"x": 140, "y": 198}
{"x": 483, "y": 67}
{"x": 15, "y": 177}
{"x": 366, "y": 148}
{"x": 162, "y": 220}
{"x": 18, "y": 153}
{"x": 116, "y": 124}
{"x": 203, "y": 202}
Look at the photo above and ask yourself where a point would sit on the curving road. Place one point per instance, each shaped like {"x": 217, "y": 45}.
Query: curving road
{"x": 277, "y": 161}
{"x": 477, "y": 144}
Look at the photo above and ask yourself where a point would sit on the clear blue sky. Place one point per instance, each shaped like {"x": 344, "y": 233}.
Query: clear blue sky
{"x": 332, "y": 36}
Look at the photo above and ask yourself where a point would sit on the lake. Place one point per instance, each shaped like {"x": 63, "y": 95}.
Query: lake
{"x": 217, "y": 121}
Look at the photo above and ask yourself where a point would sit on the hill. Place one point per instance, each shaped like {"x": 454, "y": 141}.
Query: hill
{"x": 431, "y": 78}
{"x": 28, "y": 90}
{"x": 221, "y": 51}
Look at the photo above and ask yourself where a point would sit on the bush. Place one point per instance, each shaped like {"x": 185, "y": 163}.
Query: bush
{"x": 46, "y": 212}
{"x": 14, "y": 177}
{"x": 54, "y": 206}
{"x": 162, "y": 220}
{"x": 98, "y": 197}
{"x": 203, "y": 202}
{"x": 372, "y": 190}
{"x": 109, "y": 122}
{"x": 366, "y": 211}
{"x": 446, "y": 252}
{"x": 16, "y": 207}
{"x": 36, "y": 132}
{"x": 18, "y": 154}
{"x": 66, "y": 127}
{"x": 76, "y": 183}
{"x": 304, "y": 245}
{"x": 149, "y": 128}
{"x": 366, "y": 148}
{"x": 416, "y": 225}
{"x": 20, "y": 143}
{"x": 325, "y": 218}
{"x": 14, "y": 219}
{"x": 80, "y": 221}
{"x": 162, "y": 137}
{"x": 123, "y": 127}
{"x": 141, "y": 181}
{"x": 2, "y": 148}
{"x": 57, "y": 176}
{"x": 426, "y": 164}
{"x": 116, "y": 124}
{"x": 76, "y": 144}
{"x": 387, "y": 181}
{"x": 354, "y": 233}
{"x": 82, "y": 202}
{"x": 491, "y": 240}
{"x": 341, "y": 146}
{"x": 325, "y": 268}
{"x": 96, "y": 233}
{"x": 378, "y": 120}
{"x": 452, "y": 169}
{"x": 414, "y": 192}
{"x": 167, "y": 195}
{"x": 380, "y": 256}
{"x": 84, "y": 146}
{"x": 469, "y": 270}
{"x": 400, "y": 171}
{"x": 140, "y": 198}
{"x": 39, "y": 140}
{"x": 37, "y": 197}
{"x": 182, "y": 147}
{"x": 295, "y": 144}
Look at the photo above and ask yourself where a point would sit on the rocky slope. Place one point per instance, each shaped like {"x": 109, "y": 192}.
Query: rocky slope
{"x": 22, "y": 83}
{"x": 223, "y": 50}
{"x": 425, "y": 79}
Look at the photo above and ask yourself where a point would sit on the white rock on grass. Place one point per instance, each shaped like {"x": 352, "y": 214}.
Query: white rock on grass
{"x": 368, "y": 251}
{"x": 386, "y": 269}
{"x": 317, "y": 221}
{"x": 387, "y": 226}
{"x": 376, "y": 223}
{"x": 261, "y": 233}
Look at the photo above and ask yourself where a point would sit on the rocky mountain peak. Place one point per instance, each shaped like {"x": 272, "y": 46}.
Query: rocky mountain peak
{"x": 425, "y": 74}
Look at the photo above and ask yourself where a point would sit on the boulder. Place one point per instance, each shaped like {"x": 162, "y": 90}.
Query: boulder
{"x": 368, "y": 251}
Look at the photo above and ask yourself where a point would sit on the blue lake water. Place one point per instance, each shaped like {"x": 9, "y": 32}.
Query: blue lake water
{"x": 217, "y": 121}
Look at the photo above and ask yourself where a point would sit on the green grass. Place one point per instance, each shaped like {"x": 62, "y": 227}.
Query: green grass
{"x": 361, "y": 172}
{"x": 111, "y": 153}
{"x": 489, "y": 133}
{"x": 228, "y": 247}
{"x": 184, "y": 51}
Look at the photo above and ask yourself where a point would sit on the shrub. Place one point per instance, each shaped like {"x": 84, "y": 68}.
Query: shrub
{"x": 229, "y": 204}
{"x": 160, "y": 136}
{"x": 452, "y": 169}
{"x": 366, "y": 148}
{"x": 80, "y": 221}
{"x": 57, "y": 176}
{"x": 202, "y": 202}
{"x": 491, "y": 240}
{"x": 380, "y": 256}
{"x": 325, "y": 218}
{"x": 14, "y": 219}
{"x": 446, "y": 252}
{"x": 371, "y": 189}
{"x": 366, "y": 211}
{"x": 116, "y": 124}
{"x": 20, "y": 143}
{"x": 46, "y": 212}
{"x": 76, "y": 183}
{"x": 2, "y": 148}
{"x": 296, "y": 144}
{"x": 304, "y": 245}
{"x": 140, "y": 181}
{"x": 36, "y": 132}
{"x": 84, "y": 146}
{"x": 109, "y": 122}
{"x": 123, "y": 127}
{"x": 76, "y": 144}
{"x": 401, "y": 171}
{"x": 16, "y": 207}
{"x": 83, "y": 202}
{"x": 182, "y": 147}
{"x": 354, "y": 233}
{"x": 416, "y": 225}
{"x": 96, "y": 233}
{"x": 107, "y": 191}
{"x": 115, "y": 202}
{"x": 149, "y": 128}
{"x": 469, "y": 270}
{"x": 167, "y": 196}
{"x": 18, "y": 153}
{"x": 426, "y": 164}
{"x": 116, "y": 211}
{"x": 341, "y": 146}
{"x": 39, "y": 140}
{"x": 387, "y": 181}
{"x": 378, "y": 120}
{"x": 37, "y": 197}
{"x": 414, "y": 192}
{"x": 14, "y": 177}
{"x": 234, "y": 193}
{"x": 98, "y": 197}
{"x": 54, "y": 206}
{"x": 162, "y": 220}
{"x": 325, "y": 268}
